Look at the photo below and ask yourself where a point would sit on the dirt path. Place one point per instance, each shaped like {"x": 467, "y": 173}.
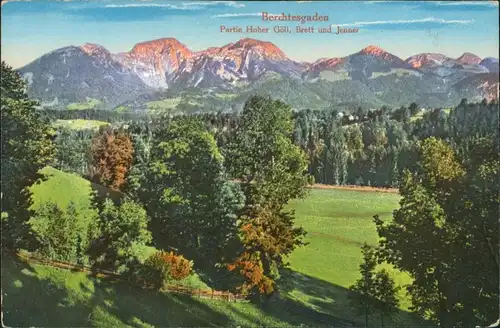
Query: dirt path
{"x": 355, "y": 188}
{"x": 347, "y": 187}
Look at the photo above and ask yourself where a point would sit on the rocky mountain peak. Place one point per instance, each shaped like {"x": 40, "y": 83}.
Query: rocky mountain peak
{"x": 373, "y": 50}
{"x": 264, "y": 48}
{"x": 97, "y": 50}
{"x": 160, "y": 46}
{"x": 468, "y": 58}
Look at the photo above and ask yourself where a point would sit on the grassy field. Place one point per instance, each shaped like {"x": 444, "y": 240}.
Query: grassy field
{"x": 63, "y": 188}
{"x": 313, "y": 288}
{"x": 169, "y": 103}
{"x": 338, "y": 222}
{"x": 79, "y": 124}
{"x": 91, "y": 103}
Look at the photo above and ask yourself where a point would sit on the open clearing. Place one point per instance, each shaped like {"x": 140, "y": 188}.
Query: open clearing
{"x": 313, "y": 288}
{"x": 79, "y": 124}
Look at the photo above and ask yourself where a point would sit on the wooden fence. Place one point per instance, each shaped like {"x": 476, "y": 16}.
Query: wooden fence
{"x": 177, "y": 289}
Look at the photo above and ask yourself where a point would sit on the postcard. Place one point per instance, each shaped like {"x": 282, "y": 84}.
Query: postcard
{"x": 196, "y": 163}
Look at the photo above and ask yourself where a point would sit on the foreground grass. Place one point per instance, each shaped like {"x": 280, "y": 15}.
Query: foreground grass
{"x": 42, "y": 296}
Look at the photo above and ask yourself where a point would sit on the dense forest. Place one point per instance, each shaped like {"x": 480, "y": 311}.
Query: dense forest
{"x": 367, "y": 148}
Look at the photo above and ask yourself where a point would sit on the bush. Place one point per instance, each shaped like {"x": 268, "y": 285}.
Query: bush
{"x": 179, "y": 267}
{"x": 163, "y": 267}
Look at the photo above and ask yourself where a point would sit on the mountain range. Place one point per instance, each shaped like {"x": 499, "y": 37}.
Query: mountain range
{"x": 165, "y": 74}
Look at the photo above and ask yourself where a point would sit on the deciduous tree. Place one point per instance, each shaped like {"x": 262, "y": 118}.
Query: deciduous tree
{"x": 111, "y": 155}
{"x": 188, "y": 194}
{"x": 119, "y": 235}
{"x": 445, "y": 231}
{"x": 273, "y": 171}
{"x": 374, "y": 292}
{"x": 56, "y": 231}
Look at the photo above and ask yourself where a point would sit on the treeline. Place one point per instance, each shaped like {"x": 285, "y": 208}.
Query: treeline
{"x": 363, "y": 148}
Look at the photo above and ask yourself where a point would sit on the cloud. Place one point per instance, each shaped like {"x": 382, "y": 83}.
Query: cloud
{"x": 467, "y": 3}
{"x": 141, "y": 10}
{"x": 240, "y": 15}
{"x": 375, "y": 2}
{"x": 233, "y": 4}
{"x": 147, "y": 5}
{"x": 461, "y": 6}
{"x": 237, "y": 15}
{"x": 404, "y": 5}
{"x": 439, "y": 3}
{"x": 406, "y": 22}
{"x": 194, "y": 5}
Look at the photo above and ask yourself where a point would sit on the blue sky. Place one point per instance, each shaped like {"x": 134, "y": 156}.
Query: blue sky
{"x": 32, "y": 28}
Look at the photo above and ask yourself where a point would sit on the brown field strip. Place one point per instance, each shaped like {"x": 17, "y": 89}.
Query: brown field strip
{"x": 355, "y": 188}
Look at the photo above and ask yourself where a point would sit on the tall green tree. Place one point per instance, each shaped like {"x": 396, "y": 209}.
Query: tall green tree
{"x": 186, "y": 190}
{"x": 386, "y": 295}
{"x": 273, "y": 171}
{"x": 27, "y": 147}
{"x": 72, "y": 150}
{"x": 445, "y": 231}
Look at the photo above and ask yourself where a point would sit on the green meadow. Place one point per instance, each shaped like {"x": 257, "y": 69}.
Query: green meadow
{"x": 79, "y": 124}
{"x": 91, "y": 103}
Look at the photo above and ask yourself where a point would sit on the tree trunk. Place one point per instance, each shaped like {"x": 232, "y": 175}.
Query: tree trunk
{"x": 266, "y": 264}
{"x": 382, "y": 319}
{"x": 366, "y": 317}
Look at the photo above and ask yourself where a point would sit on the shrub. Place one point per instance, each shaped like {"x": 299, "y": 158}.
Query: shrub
{"x": 179, "y": 267}
{"x": 163, "y": 267}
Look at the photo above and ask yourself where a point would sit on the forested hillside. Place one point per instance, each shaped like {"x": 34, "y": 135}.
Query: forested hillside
{"x": 367, "y": 148}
